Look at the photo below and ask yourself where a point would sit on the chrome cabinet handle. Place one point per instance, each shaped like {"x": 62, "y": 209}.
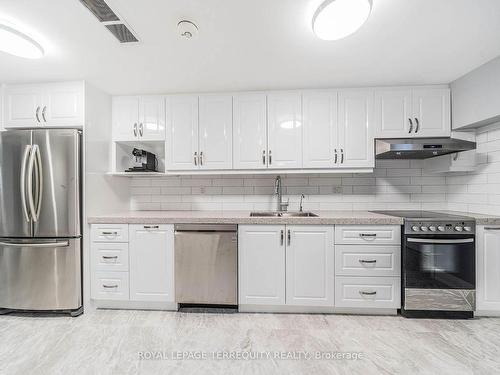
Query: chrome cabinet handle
{"x": 289, "y": 237}
{"x": 141, "y": 129}
{"x": 135, "y": 129}
{"x": 368, "y": 234}
{"x": 195, "y": 158}
{"x": 37, "y": 113}
{"x": 109, "y": 286}
{"x": 264, "y": 157}
{"x": 22, "y": 182}
{"x": 110, "y": 257}
{"x": 43, "y": 113}
{"x": 411, "y": 126}
{"x": 151, "y": 226}
{"x": 201, "y": 158}
{"x": 362, "y": 292}
{"x": 367, "y": 261}
{"x": 109, "y": 233}
{"x": 31, "y": 200}
{"x": 336, "y": 157}
{"x": 282, "y": 237}
{"x": 270, "y": 157}
{"x": 341, "y": 156}
{"x": 417, "y": 126}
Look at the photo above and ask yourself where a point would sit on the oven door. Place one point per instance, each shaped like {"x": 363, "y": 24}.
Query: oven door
{"x": 439, "y": 262}
{"x": 439, "y": 273}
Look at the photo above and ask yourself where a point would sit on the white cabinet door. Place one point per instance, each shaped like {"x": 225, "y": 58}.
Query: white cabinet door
{"x": 63, "y": 105}
{"x": 261, "y": 264}
{"x": 216, "y": 131}
{"x": 249, "y": 131}
{"x": 284, "y": 112}
{"x": 151, "y": 250}
{"x": 393, "y": 113}
{"x": 310, "y": 265}
{"x": 488, "y": 266}
{"x": 152, "y": 118}
{"x": 356, "y": 140}
{"x": 22, "y": 106}
{"x": 319, "y": 111}
{"x": 125, "y": 118}
{"x": 431, "y": 112}
{"x": 182, "y": 132}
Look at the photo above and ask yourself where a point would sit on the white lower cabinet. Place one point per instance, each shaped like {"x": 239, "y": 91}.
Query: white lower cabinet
{"x": 261, "y": 264}
{"x": 286, "y": 265}
{"x": 487, "y": 266}
{"x": 151, "y": 262}
{"x": 310, "y": 268}
{"x": 368, "y": 292}
{"x": 132, "y": 263}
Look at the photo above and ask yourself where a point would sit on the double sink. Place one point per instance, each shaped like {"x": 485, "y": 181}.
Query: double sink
{"x": 283, "y": 214}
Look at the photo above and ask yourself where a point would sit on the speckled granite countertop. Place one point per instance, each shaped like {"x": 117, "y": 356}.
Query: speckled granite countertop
{"x": 481, "y": 219}
{"x": 242, "y": 217}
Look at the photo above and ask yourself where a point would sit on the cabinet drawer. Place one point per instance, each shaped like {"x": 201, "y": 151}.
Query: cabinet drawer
{"x": 110, "y": 286}
{"x": 109, "y": 233}
{"x": 110, "y": 256}
{"x": 368, "y": 260}
{"x": 368, "y": 292}
{"x": 368, "y": 234}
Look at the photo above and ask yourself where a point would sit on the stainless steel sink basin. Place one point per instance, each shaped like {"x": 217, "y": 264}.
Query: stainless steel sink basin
{"x": 282, "y": 214}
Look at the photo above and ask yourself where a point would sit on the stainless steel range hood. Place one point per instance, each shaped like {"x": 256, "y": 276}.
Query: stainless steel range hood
{"x": 420, "y": 148}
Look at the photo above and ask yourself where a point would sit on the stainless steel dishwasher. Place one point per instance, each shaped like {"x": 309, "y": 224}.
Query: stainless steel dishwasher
{"x": 206, "y": 264}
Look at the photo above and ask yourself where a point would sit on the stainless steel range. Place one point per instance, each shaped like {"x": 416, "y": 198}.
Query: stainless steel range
{"x": 438, "y": 264}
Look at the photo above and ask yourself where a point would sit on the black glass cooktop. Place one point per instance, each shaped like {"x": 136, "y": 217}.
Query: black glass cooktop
{"x": 421, "y": 215}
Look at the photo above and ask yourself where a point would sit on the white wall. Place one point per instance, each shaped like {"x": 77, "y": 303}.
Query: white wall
{"x": 479, "y": 191}
{"x": 395, "y": 184}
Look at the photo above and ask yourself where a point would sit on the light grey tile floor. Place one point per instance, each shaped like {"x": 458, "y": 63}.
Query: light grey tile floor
{"x": 112, "y": 342}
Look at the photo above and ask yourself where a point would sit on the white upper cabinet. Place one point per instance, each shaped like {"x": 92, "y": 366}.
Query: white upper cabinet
{"x": 310, "y": 271}
{"x": 488, "y": 264}
{"x": 182, "y": 132}
{"x": 215, "y": 131}
{"x": 431, "y": 112}
{"x": 284, "y": 110}
{"x": 355, "y": 133}
{"x": 151, "y": 251}
{"x": 419, "y": 112}
{"x": 44, "y": 105}
{"x": 138, "y": 118}
{"x": 151, "y": 118}
{"x": 249, "y": 131}
{"x": 393, "y": 113}
{"x": 320, "y": 130}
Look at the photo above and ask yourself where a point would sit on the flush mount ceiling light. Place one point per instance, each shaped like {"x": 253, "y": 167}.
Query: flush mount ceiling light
{"x": 336, "y": 19}
{"x": 18, "y": 44}
{"x": 187, "y": 29}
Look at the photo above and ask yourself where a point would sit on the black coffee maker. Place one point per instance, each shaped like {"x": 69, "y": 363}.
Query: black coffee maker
{"x": 145, "y": 161}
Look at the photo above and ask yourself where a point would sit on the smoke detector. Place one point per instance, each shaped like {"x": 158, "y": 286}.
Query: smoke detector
{"x": 187, "y": 29}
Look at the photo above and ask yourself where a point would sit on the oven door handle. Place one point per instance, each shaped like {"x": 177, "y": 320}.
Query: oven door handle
{"x": 431, "y": 240}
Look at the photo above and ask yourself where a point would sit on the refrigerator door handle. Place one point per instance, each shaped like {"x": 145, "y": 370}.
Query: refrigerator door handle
{"x": 39, "y": 182}
{"x": 27, "y": 151}
{"x": 36, "y": 244}
{"x": 31, "y": 200}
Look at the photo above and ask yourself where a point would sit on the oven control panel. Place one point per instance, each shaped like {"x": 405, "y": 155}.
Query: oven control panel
{"x": 440, "y": 227}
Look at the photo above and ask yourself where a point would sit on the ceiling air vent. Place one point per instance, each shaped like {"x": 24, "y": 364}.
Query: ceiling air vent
{"x": 113, "y": 22}
{"x": 101, "y": 10}
{"x": 122, "y": 33}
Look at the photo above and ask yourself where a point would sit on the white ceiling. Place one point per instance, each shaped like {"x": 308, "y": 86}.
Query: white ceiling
{"x": 252, "y": 44}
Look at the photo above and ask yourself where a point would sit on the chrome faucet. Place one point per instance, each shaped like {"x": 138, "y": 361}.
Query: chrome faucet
{"x": 302, "y": 196}
{"x": 277, "y": 191}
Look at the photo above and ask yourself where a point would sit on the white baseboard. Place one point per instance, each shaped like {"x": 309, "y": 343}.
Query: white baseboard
{"x": 135, "y": 305}
{"x": 314, "y": 310}
{"x": 487, "y": 313}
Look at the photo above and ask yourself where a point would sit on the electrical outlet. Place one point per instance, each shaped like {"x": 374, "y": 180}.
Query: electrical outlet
{"x": 337, "y": 190}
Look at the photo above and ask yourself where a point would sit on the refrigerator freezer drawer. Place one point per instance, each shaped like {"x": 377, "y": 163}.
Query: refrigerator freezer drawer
{"x": 38, "y": 274}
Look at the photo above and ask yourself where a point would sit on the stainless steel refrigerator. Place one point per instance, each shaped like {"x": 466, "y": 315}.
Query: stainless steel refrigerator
{"x": 40, "y": 220}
